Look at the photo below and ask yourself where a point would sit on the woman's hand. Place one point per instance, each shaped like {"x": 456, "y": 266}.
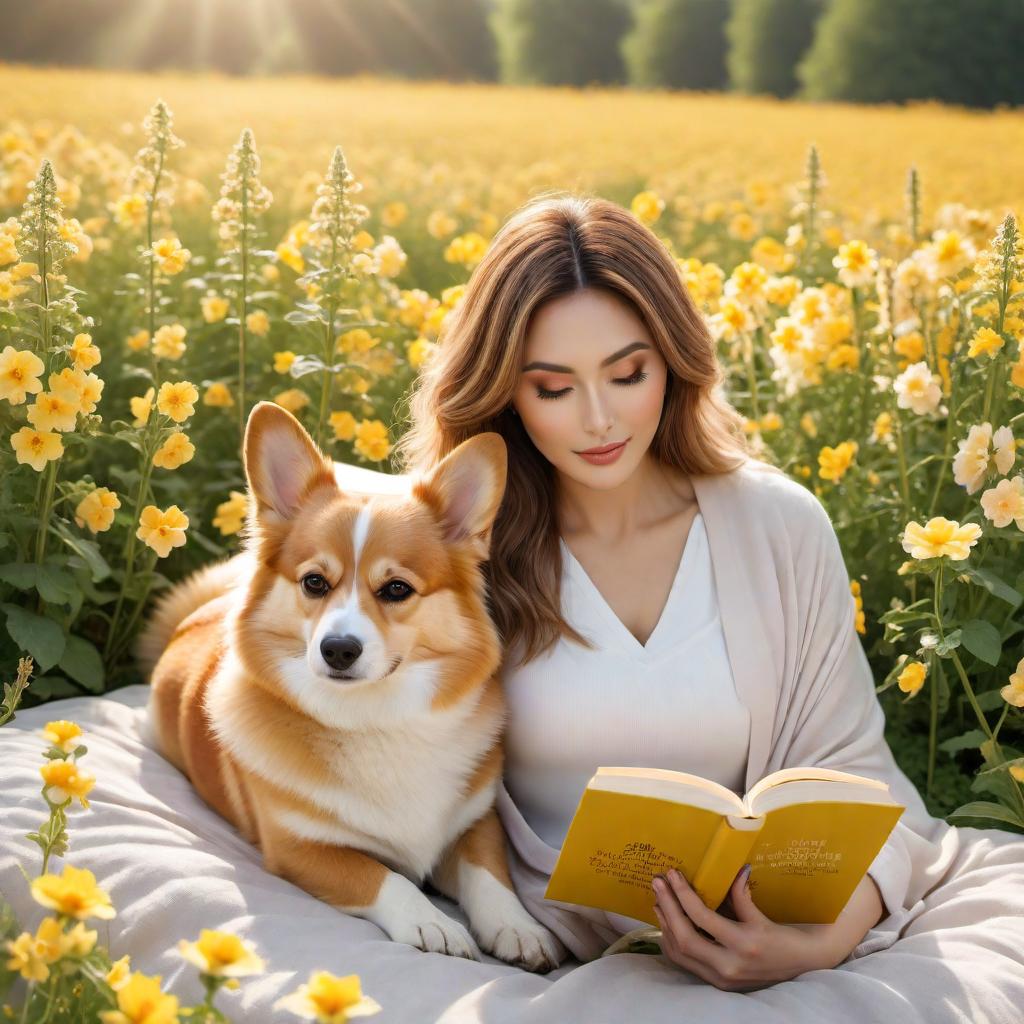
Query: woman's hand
{"x": 753, "y": 951}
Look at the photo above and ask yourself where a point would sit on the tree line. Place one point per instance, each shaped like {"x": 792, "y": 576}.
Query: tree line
{"x": 957, "y": 51}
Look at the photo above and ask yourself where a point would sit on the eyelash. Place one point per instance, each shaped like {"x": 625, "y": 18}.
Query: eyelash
{"x": 636, "y": 378}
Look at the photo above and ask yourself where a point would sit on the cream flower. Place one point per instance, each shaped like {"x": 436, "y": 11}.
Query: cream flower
{"x": 64, "y": 781}
{"x": 918, "y": 388}
{"x": 1013, "y": 692}
{"x": 1004, "y": 503}
{"x": 35, "y": 448}
{"x": 973, "y": 461}
{"x": 84, "y": 354}
{"x": 177, "y": 400}
{"x": 142, "y": 407}
{"x": 940, "y": 538}
{"x": 231, "y": 513}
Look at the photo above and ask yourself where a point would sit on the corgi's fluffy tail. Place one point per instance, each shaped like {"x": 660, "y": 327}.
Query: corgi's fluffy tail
{"x": 174, "y": 606}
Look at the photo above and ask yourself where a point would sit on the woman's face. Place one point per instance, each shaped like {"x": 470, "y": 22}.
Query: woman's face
{"x": 591, "y": 377}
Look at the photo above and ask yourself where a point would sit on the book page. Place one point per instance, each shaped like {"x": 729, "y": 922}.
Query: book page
{"x": 678, "y": 787}
{"x": 820, "y": 774}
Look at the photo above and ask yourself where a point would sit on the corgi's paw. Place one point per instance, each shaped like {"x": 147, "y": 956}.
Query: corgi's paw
{"x": 521, "y": 940}
{"x": 435, "y": 932}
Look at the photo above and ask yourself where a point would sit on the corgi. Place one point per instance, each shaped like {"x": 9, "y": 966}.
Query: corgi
{"x": 332, "y": 691}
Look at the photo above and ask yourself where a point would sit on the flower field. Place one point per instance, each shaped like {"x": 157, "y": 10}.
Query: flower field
{"x": 175, "y": 248}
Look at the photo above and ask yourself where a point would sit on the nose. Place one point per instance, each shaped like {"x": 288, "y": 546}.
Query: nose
{"x": 340, "y": 651}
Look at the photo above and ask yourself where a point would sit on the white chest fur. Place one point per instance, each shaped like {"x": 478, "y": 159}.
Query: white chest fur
{"x": 395, "y": 791}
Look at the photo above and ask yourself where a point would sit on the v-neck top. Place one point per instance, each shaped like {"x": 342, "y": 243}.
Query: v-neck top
{"x": 670, "y": 703}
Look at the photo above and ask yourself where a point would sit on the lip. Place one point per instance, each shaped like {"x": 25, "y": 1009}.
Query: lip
{"x": 603, "y": 450}
{"x": 604, "y": 456}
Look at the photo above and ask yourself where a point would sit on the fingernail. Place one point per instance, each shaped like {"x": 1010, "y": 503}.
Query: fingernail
{"x": 746, "y": 877}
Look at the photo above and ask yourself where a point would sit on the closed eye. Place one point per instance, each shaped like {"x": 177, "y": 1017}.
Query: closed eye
{"x": 635, "y": 378}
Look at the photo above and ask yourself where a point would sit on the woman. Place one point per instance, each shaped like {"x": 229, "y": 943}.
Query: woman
{"x": 674, "y": 603}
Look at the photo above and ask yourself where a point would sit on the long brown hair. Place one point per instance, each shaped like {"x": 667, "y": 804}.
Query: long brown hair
{"x": 554, "y": 245}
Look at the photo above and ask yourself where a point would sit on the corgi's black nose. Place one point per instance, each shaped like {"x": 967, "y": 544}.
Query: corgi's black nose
{"x": 340, "y": 651}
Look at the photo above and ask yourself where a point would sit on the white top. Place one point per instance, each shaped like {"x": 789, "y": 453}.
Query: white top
{"x": 671, "y": 703}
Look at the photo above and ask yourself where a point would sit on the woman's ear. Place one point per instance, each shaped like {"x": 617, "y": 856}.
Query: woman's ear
{"x": 464, "y": 491}
{"x": 282, "y": 464}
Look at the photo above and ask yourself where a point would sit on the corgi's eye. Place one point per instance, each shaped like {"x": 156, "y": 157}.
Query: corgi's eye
{"x": 395, "y": 590}
{"x": 314, "y": 585}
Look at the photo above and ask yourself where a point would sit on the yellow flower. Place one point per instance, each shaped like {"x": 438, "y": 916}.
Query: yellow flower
{"x": 177, "y": 400}
{"x": 87, "y": 386}
{"x": 329, "y": 999}
{"x": 940, "y": 538}
{"x": 74, "y": 893}
{"x": 35, "y": 448}
{"x": 293, "y": 399}
{"x": 289, "y": 255}
{"x": 217, "y": 394}
{"x": 174, "y": 452}
{"x": 647, "y": 206}
{"x": 96, "y": 510}
{"x": 117, "y": 976}
{"x": 26, "y": 958}
{"x": 372, "y": 440}
{"x": 1013, "y": 692}
{"x": 138, "y": 341}
{"x": 283, "y": 361}
{"x": 55, "y": 410}
{"x": 808, "y": 426}
{"x": 1004, "y": 503}
{"x": 162, "y": 531}
{"x": 392, "y": 214}
{"x": 362, "y": 240}
{"x": 343, "y": 424}
{"x": 20, "y": 371}
{"x": 64, "y": 781}
{"x": 170, "y": 255}
{"x": 221, "y": 954}
{"x": 441, "y": 224}
{"x": 834, "y": 462}
{"x": 231, "y": 513}
{"x": 856, "y": 263}
{"x": 142, "y": 407}
{"x": 911, "y": 679}
{"x": 130, "y": 211}
{"x": 169, "y": 341}
{"x": 84, "y": 354}
{"x": 140, "y": 1001}
{"x": 419, "y": 351}
{"x": 359, "y": 339}
{"x": 985, "y": 342}
{"x": 882, "y": 429}
{"x": 215, "y": 308}
{"x": 63, "y": 734}
{"x": 467, "y": 249}
{"x": 258, "y": 322}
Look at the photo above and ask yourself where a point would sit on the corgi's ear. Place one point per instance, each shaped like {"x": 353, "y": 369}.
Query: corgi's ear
{"x": 464, "y": 491}
{"x": 282, "y": 464}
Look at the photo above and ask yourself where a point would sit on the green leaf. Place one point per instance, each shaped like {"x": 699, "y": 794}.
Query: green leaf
{"x": 945, "y": 647}
{"x": 987, "y": 809}
{"x": 37, "y": 634}
{"x": 964, "y": 741}
{"x": 54, "y": 686}
{"x": 83, "y": 663}
{"x": 87, "y": 550}
{"x": 994, "y": 585}
{"x": 982, "y": 639}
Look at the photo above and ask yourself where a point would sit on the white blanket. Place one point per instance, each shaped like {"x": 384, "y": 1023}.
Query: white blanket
{"x": 172, "y": 866}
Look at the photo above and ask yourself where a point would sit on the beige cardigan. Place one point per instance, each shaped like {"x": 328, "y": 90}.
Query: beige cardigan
{"x": 788, "y": 618}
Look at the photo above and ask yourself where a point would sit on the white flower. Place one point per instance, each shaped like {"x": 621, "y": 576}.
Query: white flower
{"x": 1004, "y": 503}
{"x": 918, "y": 388}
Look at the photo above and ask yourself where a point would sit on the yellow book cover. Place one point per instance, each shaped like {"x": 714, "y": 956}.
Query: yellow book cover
{"x": 809, "y": 834}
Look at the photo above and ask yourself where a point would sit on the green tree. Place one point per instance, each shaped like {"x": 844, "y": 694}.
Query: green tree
{"x": 767, "y": 38}
{"x": 561, "y": 42}
{"x": 959, "y": 51}
{"x": 678, "y": 44}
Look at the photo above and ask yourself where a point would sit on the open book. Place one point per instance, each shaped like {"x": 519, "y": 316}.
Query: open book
{"x": 809, "y": 834}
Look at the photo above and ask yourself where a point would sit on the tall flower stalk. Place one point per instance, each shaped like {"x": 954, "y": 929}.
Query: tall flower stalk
{"x": 242, "y": 198}
{"x": 40, "y": 229}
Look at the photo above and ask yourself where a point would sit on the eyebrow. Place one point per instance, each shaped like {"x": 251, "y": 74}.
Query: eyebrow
{"x": 613, "y": 358}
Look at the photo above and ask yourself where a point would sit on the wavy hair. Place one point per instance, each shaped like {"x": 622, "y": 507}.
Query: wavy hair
{"x": 552, "y": 246}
